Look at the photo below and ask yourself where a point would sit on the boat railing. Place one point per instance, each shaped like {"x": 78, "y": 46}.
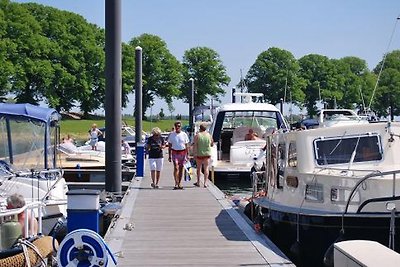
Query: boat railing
{"x": 372, "y": 200}
{"x": 29, "y": 208}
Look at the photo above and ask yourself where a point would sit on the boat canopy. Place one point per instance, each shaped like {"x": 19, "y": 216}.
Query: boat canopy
{"x": 28, "y": 111}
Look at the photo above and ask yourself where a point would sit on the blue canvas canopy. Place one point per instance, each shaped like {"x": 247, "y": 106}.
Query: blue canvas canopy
{"x": 29, "y": 111}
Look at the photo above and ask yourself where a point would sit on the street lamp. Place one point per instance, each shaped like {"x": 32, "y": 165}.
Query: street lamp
{"x": 151, "y": 113}
{"x": 191, "y": 106}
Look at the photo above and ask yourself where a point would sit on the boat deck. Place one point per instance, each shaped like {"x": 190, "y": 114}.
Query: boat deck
{"x": 192, "y": 227}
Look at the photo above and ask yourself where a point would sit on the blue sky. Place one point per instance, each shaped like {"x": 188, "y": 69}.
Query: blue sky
{"x": 240, "y": 30}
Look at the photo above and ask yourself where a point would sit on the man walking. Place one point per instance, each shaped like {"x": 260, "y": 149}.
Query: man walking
{"x": 178, "y": 142}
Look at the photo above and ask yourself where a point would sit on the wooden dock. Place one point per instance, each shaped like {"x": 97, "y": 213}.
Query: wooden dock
{"x": 192, "y": 227}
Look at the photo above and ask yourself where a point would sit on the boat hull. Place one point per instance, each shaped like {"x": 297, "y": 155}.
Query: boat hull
{"x": 317, "y": 233}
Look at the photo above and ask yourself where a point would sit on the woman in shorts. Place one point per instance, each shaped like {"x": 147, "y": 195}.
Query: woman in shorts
{"x": 155, "y": 145}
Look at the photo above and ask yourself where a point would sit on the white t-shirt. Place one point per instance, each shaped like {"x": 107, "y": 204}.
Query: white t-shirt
{"x": 178, "y": 140}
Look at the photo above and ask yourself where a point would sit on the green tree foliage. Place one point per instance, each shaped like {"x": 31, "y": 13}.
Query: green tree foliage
{"x": 205, "y": 66}
{"x": 352, "y": 73}
{"x": 7, "y": 68}
{"x": 387, "y": 93}
{"x": 322, "y": 81}
{"x": 161, "y": 114}
{"x": 75, "y": 58}
{"x": 274, "y": 71}
{"x": 161, "y": 70}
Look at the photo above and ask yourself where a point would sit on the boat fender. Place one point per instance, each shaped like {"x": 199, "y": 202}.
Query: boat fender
{"x": 328, "y": 256}
{"x": 86, "y": 247}
{"x": 258, "y": 222}
{"x": 295, "y": 251}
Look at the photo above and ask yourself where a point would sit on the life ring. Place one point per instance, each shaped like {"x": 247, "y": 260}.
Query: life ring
{"x": 83, "y": 246}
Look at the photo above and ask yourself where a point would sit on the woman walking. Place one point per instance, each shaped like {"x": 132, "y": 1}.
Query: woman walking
{"x": 155, "y": 145}
{"x": 202, "y": 153}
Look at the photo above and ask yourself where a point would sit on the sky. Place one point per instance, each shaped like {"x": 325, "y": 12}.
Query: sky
{"x": 239, "y": 30}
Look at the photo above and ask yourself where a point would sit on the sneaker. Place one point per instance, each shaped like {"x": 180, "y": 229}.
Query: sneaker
{"x": 156, "y": 186}
{"x": 153, "y": 185}
{"x": 196, "y": 184}
{"x": 175, "y": 188}
{"x": 180, "y": 187}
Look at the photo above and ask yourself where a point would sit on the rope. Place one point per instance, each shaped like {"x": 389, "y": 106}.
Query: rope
{"x": 33, "y": 253}
{"x": 25, "y": 245}
{"x": 88, "y": 245}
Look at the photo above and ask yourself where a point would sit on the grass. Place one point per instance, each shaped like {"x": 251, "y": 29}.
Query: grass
{"x": 78, "y": 129}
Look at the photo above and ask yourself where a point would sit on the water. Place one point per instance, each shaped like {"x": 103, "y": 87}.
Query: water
{"x": 237, "y": 187}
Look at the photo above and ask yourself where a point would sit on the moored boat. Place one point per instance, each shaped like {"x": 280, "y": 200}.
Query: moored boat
{"x": 28, "y": 137}
{"x": 328, "y": 184}
{"x": 231, "y": 153}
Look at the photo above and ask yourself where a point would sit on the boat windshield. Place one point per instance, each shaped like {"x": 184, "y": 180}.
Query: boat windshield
{"x": 258, "y": 119}
{"x": 339, "y": 150}
{"x": 22, "y": 144}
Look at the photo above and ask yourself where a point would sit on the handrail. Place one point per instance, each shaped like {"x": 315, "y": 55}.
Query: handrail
{"x": 371, "y": 175}
{"x": 31, "y": 206}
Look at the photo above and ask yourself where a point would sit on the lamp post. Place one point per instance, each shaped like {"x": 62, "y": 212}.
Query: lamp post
{"x": 151, "y": 113}
{"x": 191, "y": 107}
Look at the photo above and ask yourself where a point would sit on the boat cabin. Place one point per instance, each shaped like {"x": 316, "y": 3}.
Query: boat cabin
{"x": 233, "y": 122}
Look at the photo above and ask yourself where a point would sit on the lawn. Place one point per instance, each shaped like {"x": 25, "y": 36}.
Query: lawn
{"x": 78, "y": 129}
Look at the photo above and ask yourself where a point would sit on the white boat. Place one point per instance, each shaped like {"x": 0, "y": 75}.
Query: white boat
{"x": 339, "y": 181}
{"x": 70, "y": 155}
{"x": 82, "y": 164}
{"x": 28, "y": 135}
{"x": 231, "y": 154}
{"x": 127, "y": 134}
{"x": 340, "y": 117}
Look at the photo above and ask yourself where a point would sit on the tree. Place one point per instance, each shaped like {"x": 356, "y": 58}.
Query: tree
{"x": 388, "y": 89}
{"x": 161, "y": 114}
{"x": 75, "y": 49}
{"x": 161, "y": 70}
{"x": 320, "y": 74}
{"x": 171, "y": 108}
{"x": 351, "y": 75}
{"x": 273, "y": 72}
{"x": 205, "y": 66}
{"x": 7, "y": 68}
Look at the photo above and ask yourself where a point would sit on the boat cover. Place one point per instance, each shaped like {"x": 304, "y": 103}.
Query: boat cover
{"x": 29, "y": 111}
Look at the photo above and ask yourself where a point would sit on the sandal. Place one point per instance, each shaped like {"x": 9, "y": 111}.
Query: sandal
{"x": 175, "y": 188}
{"x": 196, "y": 184}
{"x": 180, "y": 187}
{"x": 153, "y": 185}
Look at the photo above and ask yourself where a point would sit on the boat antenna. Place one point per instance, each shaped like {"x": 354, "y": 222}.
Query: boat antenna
{"x": 362, "y": 98}
{"x": 286, "y": 82}
{"x": 383, "y": 62}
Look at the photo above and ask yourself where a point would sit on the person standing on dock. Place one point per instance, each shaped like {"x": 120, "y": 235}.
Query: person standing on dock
{"x": 155, "y": 145}
{"x": 202, "y": 152}
{"x": 178, "y": 142}
{"x": 94, "y": 134}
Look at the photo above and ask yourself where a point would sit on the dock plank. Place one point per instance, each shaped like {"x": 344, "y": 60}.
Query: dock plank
{"x": 190, "y": 227}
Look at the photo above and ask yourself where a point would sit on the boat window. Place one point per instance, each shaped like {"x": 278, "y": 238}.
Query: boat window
{"x": 292, "y": 156}
{"x": 340, "y": 149}
{"x": 260, "y": 119}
